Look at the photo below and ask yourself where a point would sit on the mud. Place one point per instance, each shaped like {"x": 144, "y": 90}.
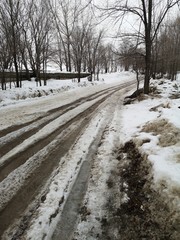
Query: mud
{"x": 33, "y": 189}
{"x": 143, "y": 213}
{"x": 35, "y": 182}
{"x": 21, "y": 157}
{"x": 37, "y": 123}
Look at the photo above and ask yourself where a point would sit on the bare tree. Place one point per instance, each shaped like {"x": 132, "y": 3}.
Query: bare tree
{"x": 173, "y": 48}
{"x": 125, "y": 53}
{"x": 166, "y": 51}
{"x": 65, "y": 13}
{"x": 38, "y": 35}
{"x": 151, "y": 15}
{"x": 78, "y": 46}
{"x": 93, "y": 46}
{"x": 10, "y": 15}
{"x": 57, "y": 53}
{"x": 108, "y": 60}
{"x": 5, "y": 58}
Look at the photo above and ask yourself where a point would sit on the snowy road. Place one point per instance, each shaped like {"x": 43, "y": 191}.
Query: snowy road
{"x": 80, "y": 165}
{"x": 43, "y": 143}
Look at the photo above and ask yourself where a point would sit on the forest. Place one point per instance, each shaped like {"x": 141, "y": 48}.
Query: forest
{"x": 34, "y": 33}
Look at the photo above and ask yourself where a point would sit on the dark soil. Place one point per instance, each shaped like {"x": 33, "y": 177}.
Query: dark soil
{"x": 146, "y": 214}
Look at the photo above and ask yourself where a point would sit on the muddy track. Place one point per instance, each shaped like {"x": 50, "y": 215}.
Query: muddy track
{"x": 62, "y": 110}
{"x": 13, "y": 136}
{"x": 33, "y": 185}
{"x": 66, "y": 135}
{"x": 21, "y": 157}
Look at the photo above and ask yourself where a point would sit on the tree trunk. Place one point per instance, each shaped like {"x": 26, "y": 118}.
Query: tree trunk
{"x": 3, "y": 81}
{"x": 148, "y": 43}
{"x": 69, "y": 55}
{"x": 79, "y": 74}
{"x": 17, "y": 72}
{"x": 147, "y": 69}
{"x": 79, "y": 70}
{"x": 15, "y": 59}
{"x": 27, "y": 71}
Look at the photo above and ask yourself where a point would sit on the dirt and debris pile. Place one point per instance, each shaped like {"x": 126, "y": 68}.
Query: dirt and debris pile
{"x": 143, "y": 213}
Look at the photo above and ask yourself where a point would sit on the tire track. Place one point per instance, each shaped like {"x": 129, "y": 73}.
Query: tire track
{"x": 21, "y": 157}
{"x": 62, "y": 109}
{"x": 13, "y": 136}
{"x": 55, "y": 110}
{"x": 33, "y": 185}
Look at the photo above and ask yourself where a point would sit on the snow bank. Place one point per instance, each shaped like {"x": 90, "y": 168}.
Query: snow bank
{"x": 30, "y": 90}
{"x": 155, "y": 127}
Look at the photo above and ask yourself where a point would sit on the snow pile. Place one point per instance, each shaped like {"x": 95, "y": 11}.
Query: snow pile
{"x": 155, "y": 127}
{"x": 30, "y": 90}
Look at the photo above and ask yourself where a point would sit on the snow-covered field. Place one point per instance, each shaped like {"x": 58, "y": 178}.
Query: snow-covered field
{"x": 152, "y": 122}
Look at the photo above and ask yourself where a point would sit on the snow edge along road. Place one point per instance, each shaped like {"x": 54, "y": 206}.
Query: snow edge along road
{"x": 73, "y": 159}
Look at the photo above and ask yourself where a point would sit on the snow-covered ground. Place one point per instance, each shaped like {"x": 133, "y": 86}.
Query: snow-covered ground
{"x": 151, "y": 121}
{"x": 30, "y": 90}
{"x": 154, "y": 124}
{"x": 31, "y": 101}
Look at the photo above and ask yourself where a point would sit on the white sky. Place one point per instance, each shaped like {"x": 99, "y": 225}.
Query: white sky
{"x": 130, "y": 22}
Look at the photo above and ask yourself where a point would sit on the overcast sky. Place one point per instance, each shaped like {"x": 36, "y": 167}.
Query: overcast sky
{"x": 130, "y": 23}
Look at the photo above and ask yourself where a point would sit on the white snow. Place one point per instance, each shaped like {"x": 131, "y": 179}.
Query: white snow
{"x": 46, "y": 130}
{"x": 68, "y": 170}
{"x": 17, "y": 110}
{"x": 127, "y": 122}
{"x": 62, "y": 183}
{"x": 165, "y": 160}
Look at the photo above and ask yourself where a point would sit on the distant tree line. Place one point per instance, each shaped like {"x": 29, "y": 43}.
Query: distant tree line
{"x": 165, "y": 52}
{"x": 36, "y": 32}
{"x": 150, "y": 15}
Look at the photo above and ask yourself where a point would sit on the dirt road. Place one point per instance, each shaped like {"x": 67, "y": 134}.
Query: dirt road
{"x": 32, "y": 151}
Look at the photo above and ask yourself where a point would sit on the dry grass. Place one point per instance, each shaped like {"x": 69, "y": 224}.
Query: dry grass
{"x": 168, "y": 134}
